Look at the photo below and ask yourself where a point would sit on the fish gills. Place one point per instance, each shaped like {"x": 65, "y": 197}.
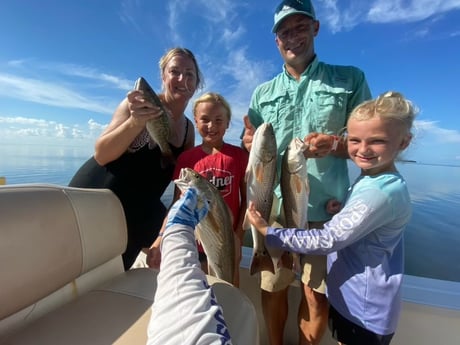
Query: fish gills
{"x": 157, "y": 128}
{"x": 260, "y": 180}
{"x": 215, "y": 230}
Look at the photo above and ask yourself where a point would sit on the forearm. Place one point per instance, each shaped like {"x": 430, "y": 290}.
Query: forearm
{"x": 185, "y": 310}
{"x": 302, "y": 241}
{"x": 117, "y": 137}
{"x": 112, "y": 145}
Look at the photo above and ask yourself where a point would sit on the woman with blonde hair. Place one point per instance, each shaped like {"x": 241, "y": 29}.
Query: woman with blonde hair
{"x": 129, "y": 162}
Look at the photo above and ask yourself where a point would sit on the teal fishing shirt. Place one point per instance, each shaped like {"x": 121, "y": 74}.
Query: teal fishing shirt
{"x": 321, "y": 102}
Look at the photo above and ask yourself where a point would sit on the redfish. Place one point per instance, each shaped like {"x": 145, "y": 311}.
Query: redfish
{"x": 215, "y": 230}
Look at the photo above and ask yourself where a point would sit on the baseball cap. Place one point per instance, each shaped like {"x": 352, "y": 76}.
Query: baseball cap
{"x": 290, "y": 7}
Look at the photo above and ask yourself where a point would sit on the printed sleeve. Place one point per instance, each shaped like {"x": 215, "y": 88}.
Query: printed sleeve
{"x": 361, "y": 215}
{"x": 185, "y": 310}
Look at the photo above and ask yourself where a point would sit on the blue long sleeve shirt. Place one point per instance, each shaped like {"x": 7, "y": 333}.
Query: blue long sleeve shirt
{"x": 364, "y": 247}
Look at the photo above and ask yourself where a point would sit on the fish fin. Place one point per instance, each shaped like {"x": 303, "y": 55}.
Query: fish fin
{"x": 261, "y": 262}
{"x": 246, "y": 224}
{"x": 259, "y": 172}
{"x": 298, "y": 183}
{"x": 286, "y": 260}
{"x": 211, "y": 272}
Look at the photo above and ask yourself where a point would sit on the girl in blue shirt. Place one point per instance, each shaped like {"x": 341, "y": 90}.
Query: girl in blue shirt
{"x": 364, "y": 241}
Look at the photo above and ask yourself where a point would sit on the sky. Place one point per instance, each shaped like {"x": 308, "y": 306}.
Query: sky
{"x": 65, "y": 65}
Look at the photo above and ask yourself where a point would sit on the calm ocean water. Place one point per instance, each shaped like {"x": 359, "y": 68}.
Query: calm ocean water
{"x": 432, "y": 239}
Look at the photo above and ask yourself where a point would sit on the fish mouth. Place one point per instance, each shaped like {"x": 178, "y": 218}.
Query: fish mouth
{"x": 183, "y": 181}
{"x": 300, "y": 144}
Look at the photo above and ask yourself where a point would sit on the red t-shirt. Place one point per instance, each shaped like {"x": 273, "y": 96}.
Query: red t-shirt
{"x": 225, "y": 169}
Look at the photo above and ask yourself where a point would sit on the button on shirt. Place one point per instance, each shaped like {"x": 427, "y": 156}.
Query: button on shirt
{"x": 321, "y": 102}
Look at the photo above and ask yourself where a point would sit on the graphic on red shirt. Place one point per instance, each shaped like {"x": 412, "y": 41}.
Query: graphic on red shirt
{"x": 222, "y": 179}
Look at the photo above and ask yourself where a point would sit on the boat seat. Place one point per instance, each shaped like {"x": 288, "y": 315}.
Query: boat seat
{"x": 62, "y": 277}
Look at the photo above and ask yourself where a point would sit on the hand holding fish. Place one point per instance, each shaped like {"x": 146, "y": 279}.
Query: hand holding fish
{"x": 318, "y": 145}
{"x": 248, "y": 135}
{"x": 333, "y": 206}
{"x": 188, "y": 210}
{"x": 256, "y": 219}
{"x": 215, "y": 230}
{"x": 141, "y": 109}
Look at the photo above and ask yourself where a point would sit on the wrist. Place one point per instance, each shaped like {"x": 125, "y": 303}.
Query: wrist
{"x": 335, "y": 142}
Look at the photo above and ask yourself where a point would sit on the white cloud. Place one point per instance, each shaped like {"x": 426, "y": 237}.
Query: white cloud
{"x": 430, "y": 129}
{"x": 432, "y": 144}
{"x": 92, "y": 74}
{"x": 50, "y": 93}
{"x": 338, "y": 16}
{"x": 23, "y": 128}
{"x": 388, "y": 11}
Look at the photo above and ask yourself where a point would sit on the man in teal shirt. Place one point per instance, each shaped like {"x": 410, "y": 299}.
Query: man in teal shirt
{"x": 312, "y": 100}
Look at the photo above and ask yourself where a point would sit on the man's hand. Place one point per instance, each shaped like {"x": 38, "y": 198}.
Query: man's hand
{"x": 249, "y": 131}
{"x": 318, "y": 145}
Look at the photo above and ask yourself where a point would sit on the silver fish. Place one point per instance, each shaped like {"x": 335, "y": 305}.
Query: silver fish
{"x": 295, "y": 191}
{"x": 260, "y": 181}
{"x": 295, "y": 188}
{"x": 215, "y": 230}
{"x": 158, "y": 128}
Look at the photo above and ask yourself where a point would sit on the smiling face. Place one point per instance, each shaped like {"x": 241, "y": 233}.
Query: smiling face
{"x": 374, "y": 143}
{"x": 212, "y": 120}
{"x": 295, "y": 40}
{"x": 180, "y": 78}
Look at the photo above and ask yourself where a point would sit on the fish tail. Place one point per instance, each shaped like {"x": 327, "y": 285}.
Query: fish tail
{"x": 287, "y": 261}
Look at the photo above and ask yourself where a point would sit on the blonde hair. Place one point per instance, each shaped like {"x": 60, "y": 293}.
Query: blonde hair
{"x": 214, "y": 98}
{"x": 391, "y": 105}
{"x": 171, "y": 53}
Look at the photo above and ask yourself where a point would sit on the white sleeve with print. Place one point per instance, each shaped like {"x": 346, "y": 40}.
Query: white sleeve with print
{"x": 185, "y": 310}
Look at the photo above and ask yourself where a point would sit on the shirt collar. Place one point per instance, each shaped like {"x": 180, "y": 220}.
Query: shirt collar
{"x": 308, "y": 71}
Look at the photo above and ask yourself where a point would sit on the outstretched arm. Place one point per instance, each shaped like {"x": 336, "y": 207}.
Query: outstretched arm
{"x": 185, "y": 310}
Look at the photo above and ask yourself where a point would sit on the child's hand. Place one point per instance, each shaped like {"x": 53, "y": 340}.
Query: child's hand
{"x": 333, "y": 206}
{"x": 256, "y": 219}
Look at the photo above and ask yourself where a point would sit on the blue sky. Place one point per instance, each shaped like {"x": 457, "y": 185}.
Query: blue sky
{"x": 65, "y": 65}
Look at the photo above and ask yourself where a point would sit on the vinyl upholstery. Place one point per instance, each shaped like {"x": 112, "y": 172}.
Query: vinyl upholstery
{"x": 61, "y": 274}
